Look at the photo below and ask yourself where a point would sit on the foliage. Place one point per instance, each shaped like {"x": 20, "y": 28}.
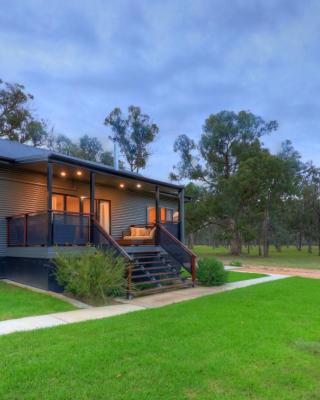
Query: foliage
{"x": 87, "y": 148}
{"x": 211, "y": 272}
{"x": 17, "y": 121}
{"x": 93, "y": 275}
{"x": 134, "y": 133}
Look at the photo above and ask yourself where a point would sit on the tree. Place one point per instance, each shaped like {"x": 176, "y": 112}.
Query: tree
{"x": 90, "y": 148}
{"x": 16, "y": 120}
{"x": 267, "y": 182}
{"x": 134, "y": 134}
{"x": 227, "y": 139}
{"x": 64, "y": 145}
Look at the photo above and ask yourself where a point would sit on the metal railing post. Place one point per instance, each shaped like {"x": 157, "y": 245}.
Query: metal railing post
{"x": 25, "y": 230}
{"x": 193, "y": 270}
{"x": 129, "y": 290}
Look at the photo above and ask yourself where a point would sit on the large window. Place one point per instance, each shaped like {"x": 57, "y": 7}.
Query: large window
{"x": 63, "y": 202}
{"x": 166, "y": 215}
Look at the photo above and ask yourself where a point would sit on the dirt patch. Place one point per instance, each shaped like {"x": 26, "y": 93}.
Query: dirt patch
{"x": 305, "y": 273}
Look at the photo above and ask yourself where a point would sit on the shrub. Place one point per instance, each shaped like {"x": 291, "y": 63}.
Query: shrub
{"x": 211, "y": 272}
{"x": 236, "y": 263}
{"x": 93, "y": 276}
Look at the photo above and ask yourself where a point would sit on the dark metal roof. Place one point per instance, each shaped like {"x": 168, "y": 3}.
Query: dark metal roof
{"x": 24, "y": 154}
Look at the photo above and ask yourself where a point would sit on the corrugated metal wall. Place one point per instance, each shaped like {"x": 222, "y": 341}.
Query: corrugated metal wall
{"x": 23, "y": 192}
{"x": 20, "y": 192}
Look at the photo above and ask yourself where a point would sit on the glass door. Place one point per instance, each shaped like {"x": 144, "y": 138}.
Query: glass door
{"x": 104, "y": 215}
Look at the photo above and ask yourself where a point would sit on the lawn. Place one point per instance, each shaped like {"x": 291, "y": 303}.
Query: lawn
{"x": 260, "y": 342}
{"x": 16, "y": 302}
{"x": 288, "y": 257}
{"x": 234, "y": 276}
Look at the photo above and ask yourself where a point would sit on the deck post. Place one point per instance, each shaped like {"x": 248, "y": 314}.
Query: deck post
{"x": 49, "y": 206}
{"x": 181, "y": 216}
{"x": 92, "y": 196}
{"x": 157, "y": 207}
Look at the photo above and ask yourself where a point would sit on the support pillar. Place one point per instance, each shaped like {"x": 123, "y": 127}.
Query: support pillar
{"x": 49, "y": 204}
{"x": 92, "y": 196}
{"x": 181, "y": 216}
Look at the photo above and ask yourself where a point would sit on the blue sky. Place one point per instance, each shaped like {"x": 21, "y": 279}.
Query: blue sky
{"x": 178, "y": 60}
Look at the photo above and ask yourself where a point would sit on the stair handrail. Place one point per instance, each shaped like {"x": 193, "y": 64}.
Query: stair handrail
{"x": 110, "y": 239}
{"x": 184, "y": 248}
{"x": 120, "y": 250}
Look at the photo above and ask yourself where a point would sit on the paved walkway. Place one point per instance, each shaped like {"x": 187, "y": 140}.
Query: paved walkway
{"x": 137, "y": 304}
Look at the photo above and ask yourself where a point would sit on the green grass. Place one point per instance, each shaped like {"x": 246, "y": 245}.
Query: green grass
{"x": 288, "y": 257}
{"x": 16, "y": 302}
{"x": 234, "y": 276}
{"x": 257, "y": 343}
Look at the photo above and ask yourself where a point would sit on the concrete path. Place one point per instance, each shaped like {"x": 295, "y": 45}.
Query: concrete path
{"x": 137, "y": 304}
{"x": 164, "y": 299}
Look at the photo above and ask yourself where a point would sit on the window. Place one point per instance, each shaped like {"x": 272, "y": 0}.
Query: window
{"x": 62, "y": 202}
{"x": 58, "y": 202}
{"x": 73, "y": 204}
{"x": 86, "y": 205}
{"x": 166, "y": 215}
{"x": 176, "y": 216}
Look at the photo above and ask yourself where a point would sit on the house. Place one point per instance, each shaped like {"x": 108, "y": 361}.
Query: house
{"x": 50, "y": 203}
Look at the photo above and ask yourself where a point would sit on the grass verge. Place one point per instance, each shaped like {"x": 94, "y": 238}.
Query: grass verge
{"x": 16, "y": 302}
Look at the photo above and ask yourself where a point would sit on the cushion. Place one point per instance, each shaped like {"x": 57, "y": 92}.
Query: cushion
{"x": 137, "y": 237}
{"x": 134, "y": 231}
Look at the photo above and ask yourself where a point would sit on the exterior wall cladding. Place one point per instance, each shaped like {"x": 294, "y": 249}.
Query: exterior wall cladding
{"x": 24, "y": 192}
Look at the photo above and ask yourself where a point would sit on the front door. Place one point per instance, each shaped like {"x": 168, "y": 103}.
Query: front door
{"x": 104, "y": 215}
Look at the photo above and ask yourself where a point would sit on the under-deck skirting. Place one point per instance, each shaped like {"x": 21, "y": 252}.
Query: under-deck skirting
{"x": 36, "y": 272}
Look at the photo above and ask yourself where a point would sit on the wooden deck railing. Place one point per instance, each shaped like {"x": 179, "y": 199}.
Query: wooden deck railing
{"x": 177, "y": 250}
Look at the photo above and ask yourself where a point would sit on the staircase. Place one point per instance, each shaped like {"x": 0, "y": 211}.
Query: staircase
{"x": 154, "y": 271}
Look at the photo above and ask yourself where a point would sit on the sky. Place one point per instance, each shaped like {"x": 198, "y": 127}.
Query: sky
{"x": 179, "y": 61}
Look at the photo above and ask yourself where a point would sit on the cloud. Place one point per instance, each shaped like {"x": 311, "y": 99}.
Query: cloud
{"x": 178, "y": 60}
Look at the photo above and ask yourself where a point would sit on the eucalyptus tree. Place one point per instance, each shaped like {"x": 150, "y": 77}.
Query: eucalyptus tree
{"x": 17, "y": 121}
{"x": 228, "y": 139}
{"x": 134, "y": 133}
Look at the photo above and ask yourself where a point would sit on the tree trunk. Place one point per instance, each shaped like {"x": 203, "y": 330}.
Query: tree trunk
{"x": 300, "y": 241}
{"x": 265, "y": 237}
{"x": 248, "y": 249}
{"x": 191, "y": 240}
{"x": 278, "y": 246}
{"x": 309, "y": 246}
{"x": 235, "y": 242}
{"x": 259, "y": 247}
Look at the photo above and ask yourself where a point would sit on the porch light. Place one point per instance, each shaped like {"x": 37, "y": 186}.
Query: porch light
{"x": 63, "y": 173}
{"x": 79, "y": 173}
{"x": 122, "y": 185}
{"x": 138, "y": 185}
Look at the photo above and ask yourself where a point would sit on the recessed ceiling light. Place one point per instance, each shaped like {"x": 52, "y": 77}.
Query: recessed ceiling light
{"x": 79, "y": 173}
{"x": 138, "y": 185}
{"x": 63, "y": 173}
{"x": 122, "y": 185}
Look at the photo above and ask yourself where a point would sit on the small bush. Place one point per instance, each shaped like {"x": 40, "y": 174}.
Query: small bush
{"x": 211, "y": 272}
{"x": 93, "y": 276}
{"x": 236, "y": 263}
